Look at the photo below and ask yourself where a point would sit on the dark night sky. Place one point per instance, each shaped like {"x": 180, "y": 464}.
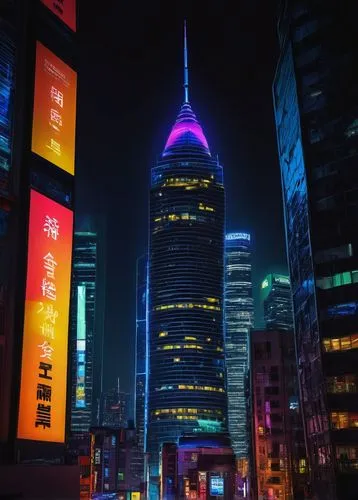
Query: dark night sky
{"x": 130, "y": 91}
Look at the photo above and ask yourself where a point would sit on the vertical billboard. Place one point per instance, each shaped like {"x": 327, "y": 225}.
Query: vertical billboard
{"x": 42, "y": 408}
{"x": 64, "y": 9}
{"x": 54, "y": 117}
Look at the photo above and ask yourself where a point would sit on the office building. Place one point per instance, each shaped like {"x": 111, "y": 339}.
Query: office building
{"x": 83, "y": 329}
{"x": 239, "y": 312}
{"x": 315, "y": 95}
{"x": 186, "y": 389}
{"x": 280, "y": 465}
{"x": 276, "y": 300}
{"x": 38, "y": 89}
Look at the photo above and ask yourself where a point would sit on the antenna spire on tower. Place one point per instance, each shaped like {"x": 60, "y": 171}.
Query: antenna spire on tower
{"x": 186, "y": 75}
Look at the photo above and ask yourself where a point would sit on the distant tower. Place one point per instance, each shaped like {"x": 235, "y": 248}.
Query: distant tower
{"x": 186, "y": 257}
{"x": 239, "y": 312}
{"x": 276, "y": 301}
{"x": 84, "y": 278}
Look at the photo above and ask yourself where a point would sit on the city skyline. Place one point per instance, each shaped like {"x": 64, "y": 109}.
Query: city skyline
{"x": 179, "y": 259}
{"x": 158, "y": 67}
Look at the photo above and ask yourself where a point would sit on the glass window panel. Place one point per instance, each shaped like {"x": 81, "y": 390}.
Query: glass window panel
{"x": 335, "y": 345}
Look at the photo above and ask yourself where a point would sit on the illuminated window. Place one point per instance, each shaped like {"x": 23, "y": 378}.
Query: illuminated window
{"x": 206, "y": 207}
{"x": 176, "y": 360}
{"x": 343, "y": 383}
{"x": 341, "y": 344}
{"x": 302, "y": 466}
{"x": 344, "y": 420}
{"x": 163, "y": 334}
{"x": 260, "y": 430}
{"x": 189, "y": 338}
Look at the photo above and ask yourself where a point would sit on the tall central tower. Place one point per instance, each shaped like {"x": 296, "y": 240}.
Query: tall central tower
{"x": 186, "y": 387}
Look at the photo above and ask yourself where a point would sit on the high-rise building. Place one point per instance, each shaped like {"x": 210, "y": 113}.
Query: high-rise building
{"x": 83, "y": 328}
{"x": 239, "y": 311}
{"x": 38, "y": 88}
{"x": 276, "y": 300}
{"x": 280, "y": 468}
{"x": 185, "y": 306}
{"x": 315, "y": 97}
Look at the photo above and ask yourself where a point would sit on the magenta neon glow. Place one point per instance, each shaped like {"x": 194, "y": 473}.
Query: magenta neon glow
{"x": 185, "y": 127}
{"x": 182, "y": 128}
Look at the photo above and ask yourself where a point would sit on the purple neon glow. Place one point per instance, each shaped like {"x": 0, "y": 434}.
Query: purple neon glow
{"x": 185, "y": 127}
{"x": 182, "y": 128}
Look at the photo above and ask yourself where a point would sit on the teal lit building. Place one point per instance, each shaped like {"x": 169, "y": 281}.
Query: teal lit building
{"x": 276, "y": 301}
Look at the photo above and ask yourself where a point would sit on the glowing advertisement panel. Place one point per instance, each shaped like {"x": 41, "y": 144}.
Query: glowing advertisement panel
{"x": 44, "y": 355}
{"x": 216, "y": 486}
{"x": 64, "y": 9}
{"x": 54, "y": 118}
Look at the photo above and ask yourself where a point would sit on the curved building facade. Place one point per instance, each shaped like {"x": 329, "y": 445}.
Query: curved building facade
{"x": 185, "y": 309}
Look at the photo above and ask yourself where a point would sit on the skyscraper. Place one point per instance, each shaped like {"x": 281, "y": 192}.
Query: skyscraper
{"x": 38, "y": 89}
{"x": 83, "y": 331}
{"x": 315, "y": 97}
{"x": 239, "y": 311}
{"x": 186, "y": 257}
{"x": 141, "y": 350}
{"x": 276, "y": 300}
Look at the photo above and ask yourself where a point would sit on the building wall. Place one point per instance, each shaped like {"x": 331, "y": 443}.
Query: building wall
{"x": 83, "y": 314}
{"x": 239, "y": 313}
{"x": 316, "y": 97}
{"x": 280, "y": 461}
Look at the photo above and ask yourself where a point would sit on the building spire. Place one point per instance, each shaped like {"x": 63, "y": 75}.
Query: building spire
{"x": 186, "y": 75}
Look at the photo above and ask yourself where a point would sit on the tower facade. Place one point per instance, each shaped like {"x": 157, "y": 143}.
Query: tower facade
{"x": 316, "y": 97}
{"x": 276, "y": 300}
{"x": 83, "y": 330}
{"x": 185, "y": 306}
{"x": 239, "y": 311}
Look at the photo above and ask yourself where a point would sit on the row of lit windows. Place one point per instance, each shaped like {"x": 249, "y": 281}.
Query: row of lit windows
{"x": 185, "y": 411}
{"x": 341, "y": 344}
{"x": 342, "y": 383}
{"x": 344, "y": 420}
{"x": 187, "y": 305}
{"x": 339, "y": 279}
{"x": 206, "y": 207}
{"x": 175, "y": 217}
{"x": 200, "y": 388}
{"x": 185, "y": 182}
{"x": 169, "y": 347}
{"x": 207, "y": 388}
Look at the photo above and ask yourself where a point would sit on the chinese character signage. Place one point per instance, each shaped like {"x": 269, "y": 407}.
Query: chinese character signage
{"x": 44, "y": 355}
{"x": 54, "y": 118}
{"x": 64, "y": 9}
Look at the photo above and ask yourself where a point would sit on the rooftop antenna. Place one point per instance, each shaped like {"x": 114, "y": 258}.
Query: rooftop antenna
{"x": 186, "y": 76}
